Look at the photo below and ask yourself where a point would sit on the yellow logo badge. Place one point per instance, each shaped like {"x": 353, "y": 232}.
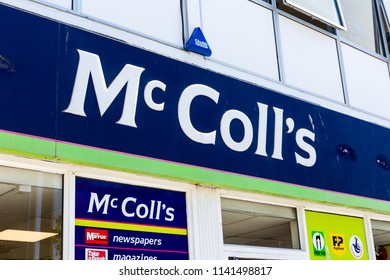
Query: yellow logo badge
{"x": 338, "y": 244}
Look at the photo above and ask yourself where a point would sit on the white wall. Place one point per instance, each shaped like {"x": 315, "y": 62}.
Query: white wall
{"x": 242, "y": 37}
{"x": 240, "y": 33}
{"x": 159, "y": 20}
{"x": 367, "y": 80}
{"x": 310, "y": 60}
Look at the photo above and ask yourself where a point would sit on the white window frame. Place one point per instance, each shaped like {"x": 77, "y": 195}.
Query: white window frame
{"x": 194, "y": 217}
{"x": 305, "y": 10}
{"x": 71, "y": 171}
{"x": 46, "y": 167}
{"x": 367, "y": 217}
{"x": 301, "y": 207}
{"x": 129, "y": 179}
{"x": 252, "y": 252}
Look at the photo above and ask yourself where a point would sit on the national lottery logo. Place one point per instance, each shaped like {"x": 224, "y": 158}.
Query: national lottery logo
{"x": 356, "y": 246}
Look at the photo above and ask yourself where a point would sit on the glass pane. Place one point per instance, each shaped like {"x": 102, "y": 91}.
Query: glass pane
{"x": 267, "y": 1}
{"x": 386, "y": 20}
{"x": 305, "y": 17}
{"x": 386, "y": 4}
{"x": 381, "y": 233}
{"x": 256, "y": 224}
{"x": 30, "y": 215}
{"x": 362, "y": 25}
{"x": 325, "y": 10}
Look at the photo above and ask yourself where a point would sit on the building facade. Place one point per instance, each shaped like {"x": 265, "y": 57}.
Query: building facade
{"x": 193, "y": 129}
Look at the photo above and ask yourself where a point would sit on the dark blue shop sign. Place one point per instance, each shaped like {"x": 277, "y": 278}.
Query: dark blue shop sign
{"x": 78, "y": 87}
{"x": 116, "y": 221}
{"x": 253, "y": 124}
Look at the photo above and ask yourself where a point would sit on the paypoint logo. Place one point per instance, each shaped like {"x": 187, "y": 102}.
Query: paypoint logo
{"x": 96, "y": 236}
{"x": 338, "y": 245}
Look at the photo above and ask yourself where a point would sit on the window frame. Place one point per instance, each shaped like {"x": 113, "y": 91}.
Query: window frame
{"x": 337, "y": 7}
{"x": 258, "y": 252}
{"x": 129, "y": 179}
{"x": 385, "y": 10}
{"x": 33, "y": 165}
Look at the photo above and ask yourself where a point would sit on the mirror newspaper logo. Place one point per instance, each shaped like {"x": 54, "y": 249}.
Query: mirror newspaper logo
{"x": 96, "y": 236}
{"x": 96, "y": 254}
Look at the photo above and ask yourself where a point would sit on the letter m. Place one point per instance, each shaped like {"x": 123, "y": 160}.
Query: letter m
{"x": 94, "y": 201}
{"x": 90, "y": 65}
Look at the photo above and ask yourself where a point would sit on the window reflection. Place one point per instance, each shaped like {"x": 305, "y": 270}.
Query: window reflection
{"x": 327, "y": 11}
{"x": 381, "y": 234}
{"x": 386, "y": 21}
{"x": 30, "y": 215}
{"x": 363, "y": 27}
{"x": 304, "y": 17}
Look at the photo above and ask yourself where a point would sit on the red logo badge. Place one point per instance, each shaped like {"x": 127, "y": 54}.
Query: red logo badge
{"x": 96, "y": 236}
{"x": 96, "y": 254}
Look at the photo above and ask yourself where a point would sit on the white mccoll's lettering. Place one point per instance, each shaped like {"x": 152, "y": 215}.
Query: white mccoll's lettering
{"x": 90, "y": 66}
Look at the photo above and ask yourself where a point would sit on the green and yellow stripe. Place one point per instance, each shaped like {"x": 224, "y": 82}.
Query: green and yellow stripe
{"x": 130, "y": 227}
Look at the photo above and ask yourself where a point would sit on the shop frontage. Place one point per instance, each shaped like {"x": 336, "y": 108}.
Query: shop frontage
{"x": 110, "y": 151}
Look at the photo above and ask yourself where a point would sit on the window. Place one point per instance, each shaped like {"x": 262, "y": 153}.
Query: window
{"x": 386, "y": 6}
{"x": 363, "y": 25}
{"x": 328, "y": 11}
{"x": 381, "y": 233}
{"x": 30, "y": 215}
{"x": 109, "y": 216}
{"x": 386, "y": 20}
{"x": 267, "y": 1}
{"x": 256, "y": 224}
{"x": 336, "y": 237}
{"x": 304, "y": 17}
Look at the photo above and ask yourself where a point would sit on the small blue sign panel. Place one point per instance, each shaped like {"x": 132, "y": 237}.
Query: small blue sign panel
{"x": 198, "y": 43}
{"x": 116, "y": 221}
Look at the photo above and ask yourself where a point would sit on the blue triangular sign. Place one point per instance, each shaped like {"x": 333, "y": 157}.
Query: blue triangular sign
{"x": 197, "y": 43}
